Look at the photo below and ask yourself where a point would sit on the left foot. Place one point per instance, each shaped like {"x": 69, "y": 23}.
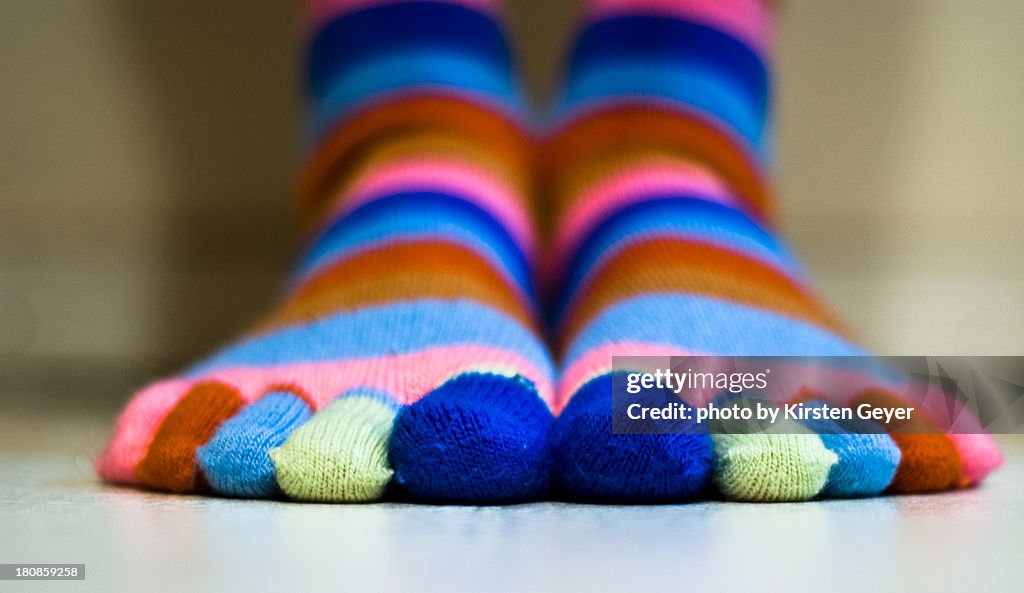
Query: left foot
{"x": 413, "y": 308}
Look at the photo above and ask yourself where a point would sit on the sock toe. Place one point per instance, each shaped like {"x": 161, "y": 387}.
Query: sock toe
{"x": 479, "y": 438}
{"x": 170, "y": 462}
{"x": 866, "y": 464}
{"x": 771, "y": 467}
{"x": 591, "y": 462}
{"x": 930, "y": 463}
{"x": 867, "y": 456}
{"x": 929, "y": 460}
{"x": 236, "y": 460}
{"x": 979, "y": 456}
{"x": 340, "y": 454}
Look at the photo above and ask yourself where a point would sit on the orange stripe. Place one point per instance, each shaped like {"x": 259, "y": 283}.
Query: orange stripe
{"x": 433, "y": 144}
{"x": 597, "y": 136}
{"x": 352, "y": 137}
{"x": 401, "y": 272}
{"x": 671, "y": 265}
{"x": 170, "y": 462}
{"x": 930, "y": 461}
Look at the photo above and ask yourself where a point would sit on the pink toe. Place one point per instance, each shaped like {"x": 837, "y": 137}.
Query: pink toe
{"x": 136, "y": 427}
{"x": 979, "y": 456}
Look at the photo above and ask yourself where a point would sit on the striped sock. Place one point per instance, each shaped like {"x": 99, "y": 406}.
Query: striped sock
{"x": 663, "y": 245}
{"x": 411, "y": 311}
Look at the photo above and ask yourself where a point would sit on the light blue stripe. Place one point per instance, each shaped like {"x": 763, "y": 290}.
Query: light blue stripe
{"x": 383, "y": 330}
{"x": 708, "y": 326}
{"x": 435, "y": 67}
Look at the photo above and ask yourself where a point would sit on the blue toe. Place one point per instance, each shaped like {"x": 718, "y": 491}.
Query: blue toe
{"x": 235, "y": 461}
{"x": 592, "y": 463}
{"x": 868, "y": 457}
{"x": 479, "y": 438}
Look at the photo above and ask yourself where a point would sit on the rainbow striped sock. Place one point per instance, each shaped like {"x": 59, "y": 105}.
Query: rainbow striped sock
{"x": 412, "y": 310}
{"x": 658, "y": 162}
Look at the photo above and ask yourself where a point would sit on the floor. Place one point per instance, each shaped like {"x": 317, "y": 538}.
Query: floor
{"x": 52, "y": 509}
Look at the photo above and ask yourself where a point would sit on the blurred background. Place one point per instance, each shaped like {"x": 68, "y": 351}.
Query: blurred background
{"x": 147, "y": 151}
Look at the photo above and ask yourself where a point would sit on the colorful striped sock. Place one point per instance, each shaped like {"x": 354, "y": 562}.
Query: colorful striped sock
{"x": 413, "y": 306}
{"x": 663, "y": 245}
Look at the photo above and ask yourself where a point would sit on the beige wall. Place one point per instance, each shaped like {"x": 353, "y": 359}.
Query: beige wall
{"x": 900, "y": 137}
{"x": 146, "y": 150}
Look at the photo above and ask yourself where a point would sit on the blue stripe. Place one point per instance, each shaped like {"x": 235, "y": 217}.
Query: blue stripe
{"x": 397, "y": 328}
{"x": 421, "y": 68}
{"x": 694, "y": 87}
{"x": 364, "y": 35}
{"x": 709, "y": 326}
{"x": 423, "y": 213}
{"x": 676, "y": 217}
{"x": 643, "y": 37}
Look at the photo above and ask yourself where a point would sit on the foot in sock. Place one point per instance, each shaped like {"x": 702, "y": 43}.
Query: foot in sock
{"x": 412, "y": 307}
{"x": 663, "y": 245}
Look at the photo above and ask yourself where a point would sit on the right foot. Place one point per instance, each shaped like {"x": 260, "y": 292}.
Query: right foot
{"x": 663, "y": 248}
{"x": 413, "y": 307}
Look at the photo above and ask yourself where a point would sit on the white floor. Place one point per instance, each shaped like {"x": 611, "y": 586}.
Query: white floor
{"x": 53, "y": 510}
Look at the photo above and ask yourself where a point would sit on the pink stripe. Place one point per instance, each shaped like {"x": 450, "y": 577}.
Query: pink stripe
{"x": 408, "y": 377}
{"x": 319, "y": 12}
{"x": 624, "y": 187}
{"x": 750, "y": 21}
{"x": 446, "y": 176}
{"x": 598, "y": 362}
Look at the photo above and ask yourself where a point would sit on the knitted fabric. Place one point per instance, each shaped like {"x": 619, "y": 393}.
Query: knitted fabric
{"x": 414, "y": 300}
{"x": 658, "y": 164}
